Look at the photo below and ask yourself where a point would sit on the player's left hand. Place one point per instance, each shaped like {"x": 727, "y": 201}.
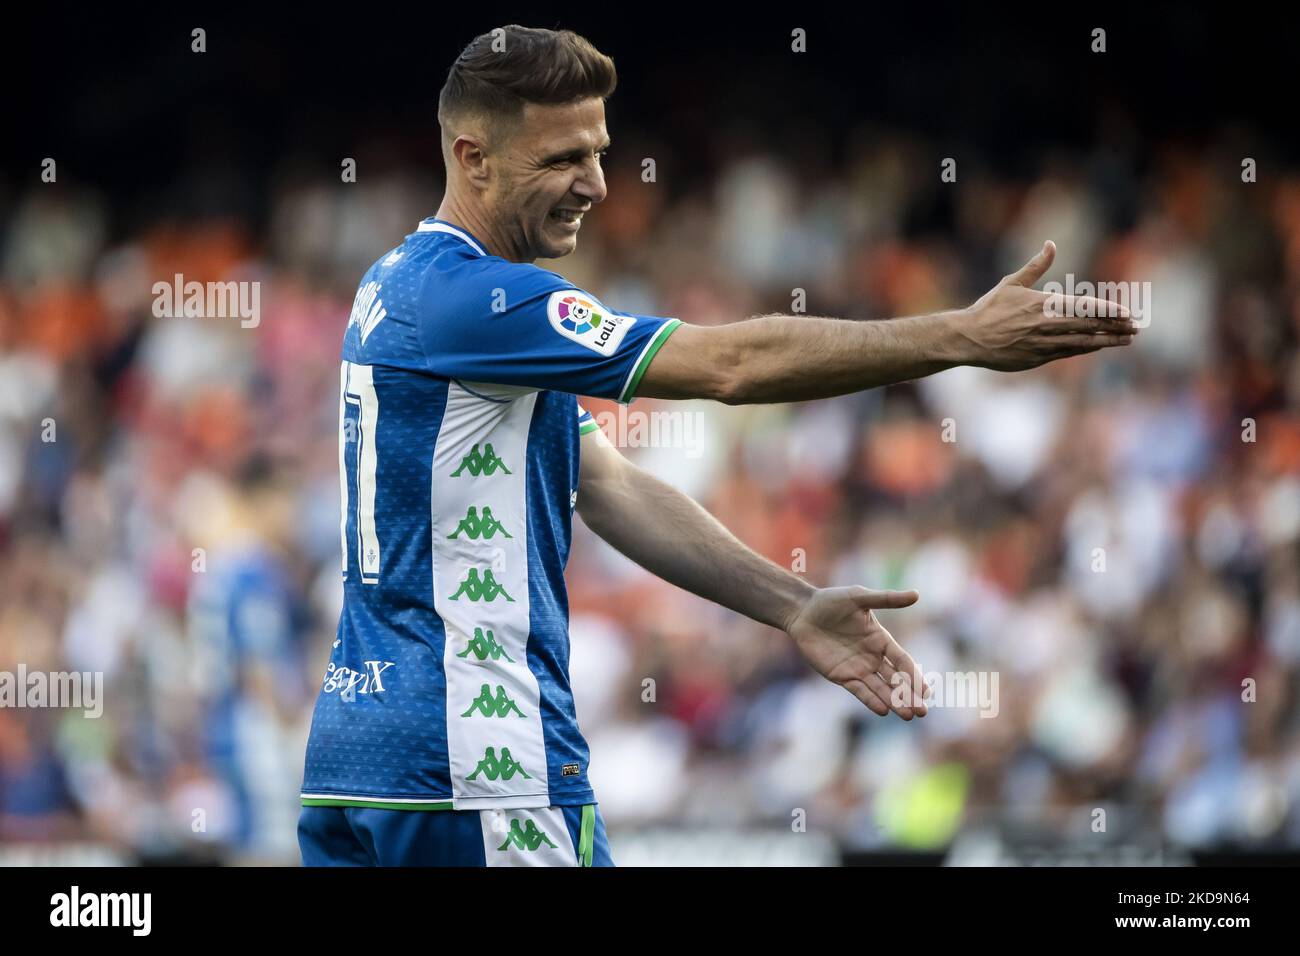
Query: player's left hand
{"x": 837, "y": 631}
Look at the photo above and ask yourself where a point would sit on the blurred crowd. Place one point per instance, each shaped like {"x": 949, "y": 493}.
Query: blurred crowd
{"x": 1114, "y": 539}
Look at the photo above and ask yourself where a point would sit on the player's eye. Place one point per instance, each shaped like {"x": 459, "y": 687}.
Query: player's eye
{"x": 566, "y": 161}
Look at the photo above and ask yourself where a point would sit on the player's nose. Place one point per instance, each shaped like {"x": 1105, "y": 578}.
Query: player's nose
{"x": 591, "y": 184}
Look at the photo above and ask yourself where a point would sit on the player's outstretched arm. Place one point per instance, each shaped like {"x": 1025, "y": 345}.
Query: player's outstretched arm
{"x": 786, "y": 358}
{"x": 673, "y": 537}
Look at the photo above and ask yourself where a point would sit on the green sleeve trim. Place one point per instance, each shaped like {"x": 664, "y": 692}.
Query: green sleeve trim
{"x": 643, "y": 363}
{"x": 586, "y": 427}
{"x": 373, "y": 804}
{"x": 587, "y": 835}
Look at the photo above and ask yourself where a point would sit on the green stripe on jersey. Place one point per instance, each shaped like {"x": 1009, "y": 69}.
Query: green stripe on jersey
{"x": 643, "y": 362}
{"x": 374, "y": 804}
{"x": 587, "y": 834}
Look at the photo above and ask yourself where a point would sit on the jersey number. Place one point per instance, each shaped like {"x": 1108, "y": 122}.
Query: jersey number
{"x": 357, "y": 451}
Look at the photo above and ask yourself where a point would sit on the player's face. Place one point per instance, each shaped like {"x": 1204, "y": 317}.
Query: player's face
{"x": 550, "y": 176}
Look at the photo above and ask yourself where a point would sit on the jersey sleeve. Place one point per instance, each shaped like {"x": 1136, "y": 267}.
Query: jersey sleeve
{"x": 586, "y": 423}
{"x": 517, "y": 324}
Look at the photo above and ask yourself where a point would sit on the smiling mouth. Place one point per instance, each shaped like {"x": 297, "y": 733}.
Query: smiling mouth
{"x": 568, "y": 216}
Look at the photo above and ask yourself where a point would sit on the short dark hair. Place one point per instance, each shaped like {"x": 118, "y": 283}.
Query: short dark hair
{"x": 500, "y": 71}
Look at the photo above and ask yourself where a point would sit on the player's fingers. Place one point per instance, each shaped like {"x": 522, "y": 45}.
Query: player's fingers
{"x": 899, "y": 657}
{"x": 902, "y": 688}
{"x": 904, "y": 662}
{"x": 1082, "y": 306}
{"x": 887, "y": 670}
{"x": 1035, "y": 268}
{"x": 914, "y": 695}
{"x": 869, "y": 599}
{"x": 1072, "y": 352}
{"x": 1077, "y": 323}
{"x": 860, "y": 690}
{"x": 1075, "y": 344}
{"x": 899, "y": 697}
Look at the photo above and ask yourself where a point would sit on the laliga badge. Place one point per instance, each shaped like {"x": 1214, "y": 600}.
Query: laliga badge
{"x": 578, "y": 316}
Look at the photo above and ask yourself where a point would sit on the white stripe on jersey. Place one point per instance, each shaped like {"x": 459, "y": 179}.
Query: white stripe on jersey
{"x": 361, "y": 392}
{"x": 343, "y": 467}
{"x": 487, "y": 739}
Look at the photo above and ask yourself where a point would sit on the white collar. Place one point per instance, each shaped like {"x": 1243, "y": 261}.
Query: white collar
{"x": 460, "y": 233}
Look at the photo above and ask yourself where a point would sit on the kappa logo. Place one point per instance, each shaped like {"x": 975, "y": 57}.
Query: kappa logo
{"x": 483, "y": 462}
{"x": 484, "y": 647}
{"x": 481, "y": 588}
{"x": 578, "y": 316}
{"x": 477, "y": 525}
{"x": 499, "y": 706}
{"x": 529, "y": 838}
{"x": 498, "y": 768}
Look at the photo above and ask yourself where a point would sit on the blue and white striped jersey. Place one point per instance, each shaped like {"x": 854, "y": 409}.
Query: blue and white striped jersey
{"x": 448, "y": 685}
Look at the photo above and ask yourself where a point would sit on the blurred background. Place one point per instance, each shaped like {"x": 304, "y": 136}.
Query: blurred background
{"x": 1120, "y": 689}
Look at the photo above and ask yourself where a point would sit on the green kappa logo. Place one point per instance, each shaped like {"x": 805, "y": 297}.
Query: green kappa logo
{"x": 485, "y": 647}
{"x": 479, "y": 463}
{"x": 499, "y": 706}
{"x": 483, "y": 588}
{"x": 528, "y": 838}
{"x": 502, "y": 768}
{"x": 478, "y": 526}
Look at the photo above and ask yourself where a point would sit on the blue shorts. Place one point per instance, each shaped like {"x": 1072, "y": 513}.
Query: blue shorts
{"x": 369, "y": 836}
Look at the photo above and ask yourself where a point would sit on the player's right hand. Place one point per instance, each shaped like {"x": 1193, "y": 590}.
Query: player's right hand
{"x": 837, "y": 632}
{"x": 1013, "y": 326}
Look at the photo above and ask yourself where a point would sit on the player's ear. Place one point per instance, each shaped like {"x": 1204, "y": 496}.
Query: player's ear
{"x": 470, "y": 156}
